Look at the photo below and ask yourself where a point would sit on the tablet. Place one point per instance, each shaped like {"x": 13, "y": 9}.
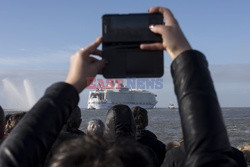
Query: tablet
{"x": 122, "y": 36}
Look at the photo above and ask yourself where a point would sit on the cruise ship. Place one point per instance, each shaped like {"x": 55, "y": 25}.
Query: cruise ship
{"x": 106, "y": 98}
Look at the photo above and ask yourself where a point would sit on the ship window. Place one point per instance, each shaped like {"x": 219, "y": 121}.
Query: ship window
{"x": 93, "y": 95}
{"x": 99, "y": 96}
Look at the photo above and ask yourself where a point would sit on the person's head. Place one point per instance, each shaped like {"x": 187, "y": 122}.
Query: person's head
{"x": 74, "y": 120}
{"x": 245, "y": 148}
{"x": 13, "y": 121}
{"x": 7, "y": 117}
{"x": 127, "y": 152}
{"x": 119, "y": 123}
{"x": 95, "y": 128}
{"x": 141, "y": 117}
{"x": 82, "y": 151}
{"x": 2, "y": 123}
{"x": 172, "y": 145}
{"x": 90, "y": 151}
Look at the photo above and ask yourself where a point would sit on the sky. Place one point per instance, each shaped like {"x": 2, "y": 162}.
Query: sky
{"x": 37, "y": 39}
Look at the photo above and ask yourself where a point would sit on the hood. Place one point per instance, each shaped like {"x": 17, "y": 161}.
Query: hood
{"x": 119, "y": 123}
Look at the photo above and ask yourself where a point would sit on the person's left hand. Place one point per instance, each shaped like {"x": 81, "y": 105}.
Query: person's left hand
{"x": 83, "y": 66}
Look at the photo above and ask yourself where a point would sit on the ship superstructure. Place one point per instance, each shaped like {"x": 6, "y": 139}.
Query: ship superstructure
{"x": 106, "y": 98}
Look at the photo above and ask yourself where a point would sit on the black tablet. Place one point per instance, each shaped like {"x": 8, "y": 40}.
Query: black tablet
{"x": 122, "y": 36}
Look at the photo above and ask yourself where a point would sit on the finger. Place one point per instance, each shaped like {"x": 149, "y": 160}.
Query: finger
{"x": 97, "y": 52}
{"x": 95, "y": 44}
{"x": 167, "y": 14}
{"x": 92, "y": 47}
{"x": 152, "y": 46}
{"x": 92, "y": 59}
{"x": 99, "y": 65}
{"x": 158, "y": 29}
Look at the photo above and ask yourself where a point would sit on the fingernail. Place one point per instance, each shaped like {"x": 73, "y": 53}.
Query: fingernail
{"x": 141, "y": 46}
{"x": 151, "y": 26}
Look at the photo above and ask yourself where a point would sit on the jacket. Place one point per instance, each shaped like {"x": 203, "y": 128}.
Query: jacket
{"x": 176, "y": 157}
{"x": 147, "y": 138}
{"x": 205, "y": 136}
{"x": 120, "y": 125}
{"x": 29, "y": 143}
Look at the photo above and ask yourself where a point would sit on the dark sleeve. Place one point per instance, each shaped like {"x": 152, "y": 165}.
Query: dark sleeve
{"x": 205, "y": 136}
{"x": 169, "y": 159}
{"x": 239, "y": 157}
{"x": 28, "y": 144}
{"x": 175, "y": 157}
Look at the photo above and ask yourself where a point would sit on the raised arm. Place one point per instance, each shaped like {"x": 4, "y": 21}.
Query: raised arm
{"x": 205, "y": 137}
{"x": 28, "y": 144}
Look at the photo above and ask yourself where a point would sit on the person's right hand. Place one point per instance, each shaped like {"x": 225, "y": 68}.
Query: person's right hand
{"x": 82, "y": 66}
{"x": 174, "y": 41}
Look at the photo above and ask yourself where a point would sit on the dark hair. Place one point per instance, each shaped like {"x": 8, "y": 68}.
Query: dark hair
{"x": 13, "y": 121}
{"x": 141, "y": 117}
{"x": 83, "y": 151}
{"x": 89, "y": 151}
{"x": 127, "y": 152}
{"x": 2, "y": 123}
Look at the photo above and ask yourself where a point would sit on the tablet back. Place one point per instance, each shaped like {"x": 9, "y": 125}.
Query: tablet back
{"x": 122, "y": 36}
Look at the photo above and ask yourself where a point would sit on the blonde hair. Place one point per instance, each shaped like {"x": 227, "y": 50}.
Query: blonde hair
{"x": 245, "y": 148}
{"x": 12, "y": 121}
{"x": 172, "y": 145}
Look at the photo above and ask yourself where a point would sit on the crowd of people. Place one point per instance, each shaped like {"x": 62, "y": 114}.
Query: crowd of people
{"x": 49, "y": 135}
{"x": 136, "y": 119}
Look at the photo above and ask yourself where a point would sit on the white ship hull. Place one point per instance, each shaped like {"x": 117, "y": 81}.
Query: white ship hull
{"x": 105, "y": 99}
{"x": 109, "y": 105}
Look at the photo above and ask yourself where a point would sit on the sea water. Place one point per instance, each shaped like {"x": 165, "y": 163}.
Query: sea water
{"x": 165, "y": 123}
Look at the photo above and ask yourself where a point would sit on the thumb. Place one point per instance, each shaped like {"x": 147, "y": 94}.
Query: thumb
{"x": 99, "y": 65}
